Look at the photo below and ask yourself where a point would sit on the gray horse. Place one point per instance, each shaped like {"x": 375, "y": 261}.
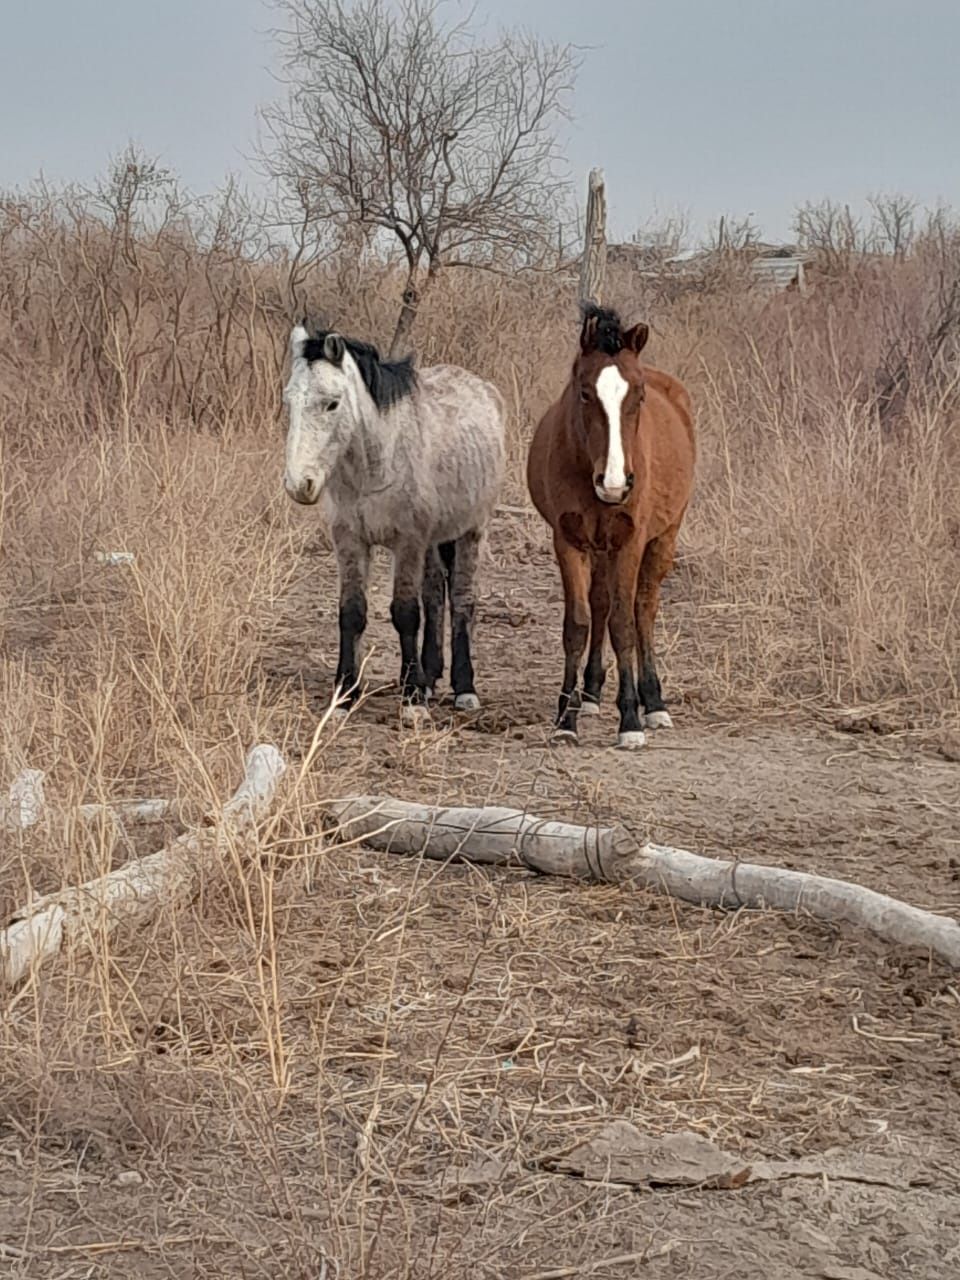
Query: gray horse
{"x": 404, "y": 459}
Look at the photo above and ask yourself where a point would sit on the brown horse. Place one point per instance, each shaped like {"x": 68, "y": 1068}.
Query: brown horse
{"x": 611, "y": 471}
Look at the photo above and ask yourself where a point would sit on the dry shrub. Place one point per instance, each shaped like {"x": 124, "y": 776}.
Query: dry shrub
{"x": 140, "y": 370}
{"x": 142, "y": 344}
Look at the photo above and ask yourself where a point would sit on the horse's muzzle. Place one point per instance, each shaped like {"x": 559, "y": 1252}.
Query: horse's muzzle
{"x": 613, "y": 497}
{"x": 306, "y": 491}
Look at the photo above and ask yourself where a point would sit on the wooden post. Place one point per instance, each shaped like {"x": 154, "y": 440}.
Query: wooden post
{"x": 593, "y": 263}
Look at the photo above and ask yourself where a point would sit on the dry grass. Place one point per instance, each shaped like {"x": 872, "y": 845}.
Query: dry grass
{"x": 296, "y": 1080}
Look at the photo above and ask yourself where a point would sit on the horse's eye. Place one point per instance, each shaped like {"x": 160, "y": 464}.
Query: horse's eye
{"x": 584, "y": 395}
{"x": 331, "y": 405}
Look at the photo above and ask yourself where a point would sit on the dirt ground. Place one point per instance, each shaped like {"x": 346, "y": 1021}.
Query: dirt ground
{"x": 448, "y": 1034}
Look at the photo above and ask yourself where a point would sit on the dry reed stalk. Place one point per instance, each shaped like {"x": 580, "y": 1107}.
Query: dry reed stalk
{"x": 78, "y": 917}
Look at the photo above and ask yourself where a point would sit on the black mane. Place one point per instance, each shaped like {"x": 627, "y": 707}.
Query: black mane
{"x": 607, "y": 328}
{"x": 388, "y": 381}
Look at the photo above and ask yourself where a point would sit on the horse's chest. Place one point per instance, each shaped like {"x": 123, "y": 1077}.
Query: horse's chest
{"x": 603, "y": 533}
{"x": 392, "y": 518}
{"x": 380, "y": 522}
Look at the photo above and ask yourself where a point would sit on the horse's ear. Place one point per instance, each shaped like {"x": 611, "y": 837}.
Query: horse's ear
{"x": 635, "y": 339}
{"x": 588, "y": 334}
{"x": 333, "y": 348}
{"x": 298, "y": 336}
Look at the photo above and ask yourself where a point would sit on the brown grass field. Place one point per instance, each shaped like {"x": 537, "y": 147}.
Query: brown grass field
{"x": 375, "y": 1078}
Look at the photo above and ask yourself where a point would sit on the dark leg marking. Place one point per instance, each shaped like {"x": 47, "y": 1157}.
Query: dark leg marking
{"x": 353, "y": 560}
{"x": 651, "y": 694}
{"x": 353, "y": 623}
{"x": 408, "y": 574}
{"x": 434, "y": 600}
{"x": 462, "y": 559}
{"x": 405, "y": 616}
{"x": 628, "y": 704}
{"x": 623, "y": 633}
{"x": 575, "y": 572}
{"x": 595, "y": 675}
{"x": 654, "y": 567}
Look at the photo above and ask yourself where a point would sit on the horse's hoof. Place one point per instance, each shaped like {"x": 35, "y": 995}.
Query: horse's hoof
{"x": 589, "y": 708}
{"x": 564, "y": 738}
{"x": 413, "y": 715}
{"x": 658, "y": 720}
{"x": 339, "y": 714}
{"x": 631, "y": 741}
{"x": 466, "y": 702}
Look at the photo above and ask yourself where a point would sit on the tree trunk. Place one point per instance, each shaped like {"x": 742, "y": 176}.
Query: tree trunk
{"x": 508, "y": 837}
{"x": 412, "y": 297}
{"x": 593, "y": 263}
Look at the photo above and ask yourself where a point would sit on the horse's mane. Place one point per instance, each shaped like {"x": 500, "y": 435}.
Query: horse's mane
{"x": 388, "y": 381}
{"x": 605, "y": 328}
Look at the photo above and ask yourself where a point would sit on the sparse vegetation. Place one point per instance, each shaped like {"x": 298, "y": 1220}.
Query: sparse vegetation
{"x": 293, "y": 1078}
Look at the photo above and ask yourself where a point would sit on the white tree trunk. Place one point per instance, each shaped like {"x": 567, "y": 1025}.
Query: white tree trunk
{"x": 510, "y": 837}
{"x": 79, "y": 916}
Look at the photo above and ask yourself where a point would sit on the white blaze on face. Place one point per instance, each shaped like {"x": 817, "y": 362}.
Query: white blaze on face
{"x": 612, "y": 388}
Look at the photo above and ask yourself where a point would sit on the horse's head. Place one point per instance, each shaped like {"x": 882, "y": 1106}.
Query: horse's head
{"x": 324, "y": 404}
{"x": 608, "y": 389}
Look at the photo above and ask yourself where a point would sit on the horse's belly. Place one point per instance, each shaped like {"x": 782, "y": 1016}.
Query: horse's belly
{"x": 452, "y": 494}
{"x": 450, "y": 530}
{"x": 388, "y": 526}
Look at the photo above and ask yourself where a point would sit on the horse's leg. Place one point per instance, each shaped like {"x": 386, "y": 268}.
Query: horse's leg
{"x": 353, "y": 563}
{"x": 408, "y": 569}
{"x": 575, "y": 574}
{"x": 654, "y": 567}
{"x": 595, "y": 675}
{"x": 462, "y": 559}
{"x": 433, "y": 596}
{"x": 623, "y": 633}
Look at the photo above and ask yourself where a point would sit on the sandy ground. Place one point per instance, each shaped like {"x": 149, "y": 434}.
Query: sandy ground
{"x": 449, "y": 1033}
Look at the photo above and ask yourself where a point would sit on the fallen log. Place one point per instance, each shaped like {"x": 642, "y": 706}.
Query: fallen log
{"x": 509, "y": 837}
{"x": 620, "y": 1152}
{"x": 138, "y": 812}
{"x": 78, "y": 916}
{"x": 23, "y": 806}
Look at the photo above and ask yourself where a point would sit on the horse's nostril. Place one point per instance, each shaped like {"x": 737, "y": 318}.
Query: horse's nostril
{"x": 630, "y": 479}
{"x": 308, "y": 487}
{"x": 598, "y": 480}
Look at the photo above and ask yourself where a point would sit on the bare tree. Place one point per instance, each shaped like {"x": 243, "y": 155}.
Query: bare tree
{"x": 660, "y": 238}
{"x": 893, "y": 223}
{"x": 442, "y": 145}
{"x": 733, "y": 234}
{"x": 830, "y": 230}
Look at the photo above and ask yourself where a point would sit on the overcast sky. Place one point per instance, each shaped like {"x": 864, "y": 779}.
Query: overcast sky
{"x": 739, "y": 106}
